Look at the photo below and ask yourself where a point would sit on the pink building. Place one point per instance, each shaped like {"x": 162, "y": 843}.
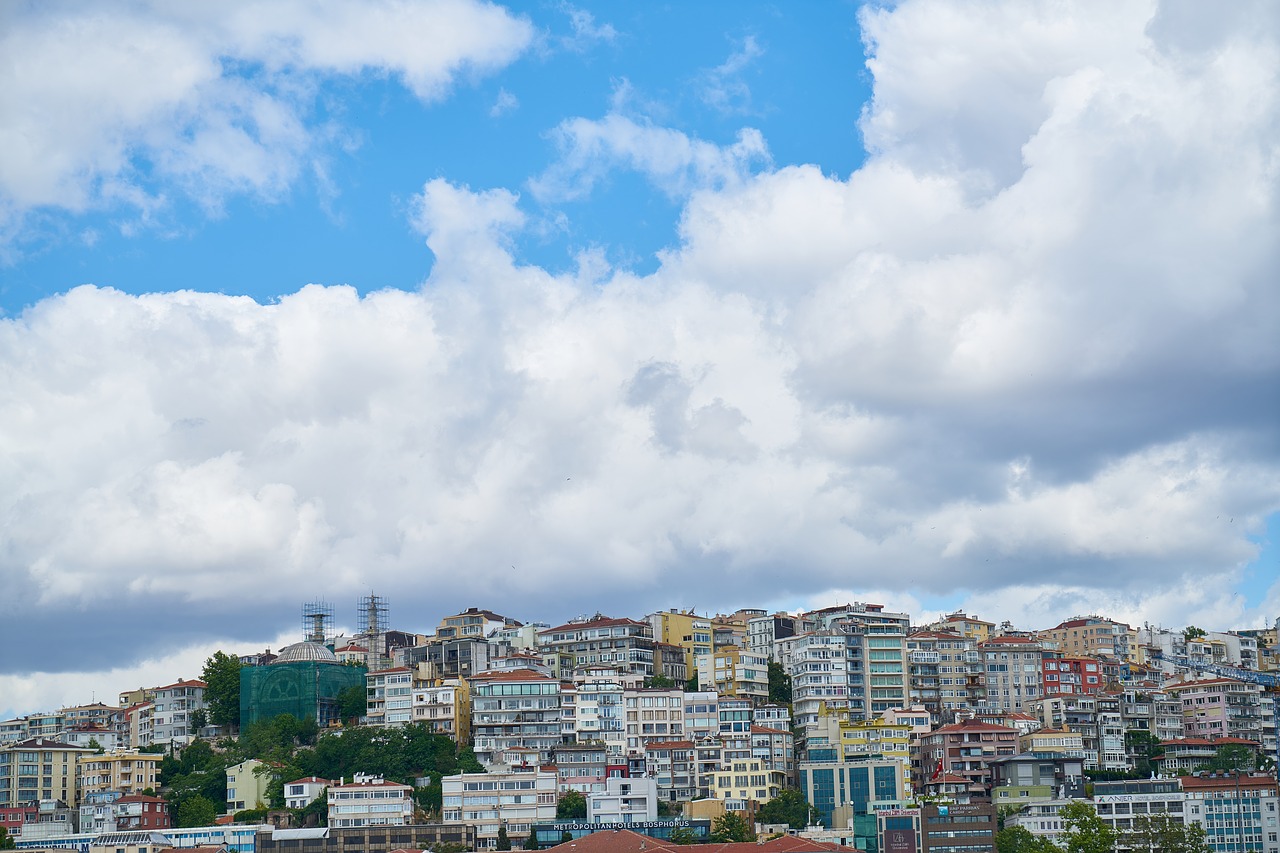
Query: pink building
{"x": 965, "y": 750}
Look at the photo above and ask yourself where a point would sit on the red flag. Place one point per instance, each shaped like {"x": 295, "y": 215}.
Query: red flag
{"x": 937, "y": 771}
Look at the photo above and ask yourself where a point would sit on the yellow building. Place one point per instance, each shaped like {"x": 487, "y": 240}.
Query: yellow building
{"x": 965, "y": 625}
{"x": 1095, "y": 636}
{"x": 682, "y": 628}
{"x": 445, "y": 707}
{"x": 126, "y": 772}
{"x": 747, "y": 779}
{"x": 246, "y": 788}
{"x": 1061, "y": 741}
{"x": 39, "y": 769}
{"x": 730, "y": 671}
{"x": 877, "y": 739}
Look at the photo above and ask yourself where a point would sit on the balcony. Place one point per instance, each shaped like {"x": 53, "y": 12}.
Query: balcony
{"x": 918, "y": 656}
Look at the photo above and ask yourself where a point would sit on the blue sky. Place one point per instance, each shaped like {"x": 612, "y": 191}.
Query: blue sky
{"x": 707, "y": 70}
{"x": 556, "y": 308}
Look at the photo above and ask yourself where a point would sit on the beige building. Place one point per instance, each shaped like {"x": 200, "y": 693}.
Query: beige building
{"x": 246, "y": 788}
{"x": 126, "y": 772}
{"x": 747, "y": 780}
{"x": 1095, "y": 636}
{"x": 730, "y": 671}
{"x": 39, "y": 769}
{"x": 445, "y": 708}
{"x": 684, "y": 629}
{"x": 370, "y": 801}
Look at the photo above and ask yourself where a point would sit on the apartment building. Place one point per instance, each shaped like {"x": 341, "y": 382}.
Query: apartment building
{"x": 966, "y": 749}
{"x": 671, "y": 765}
{"x": 518, "y": 708}
{"x": 1071, "y": 675}
{"x": 444, "y": 708}
{"x": 173, "y": 706}
{"x": 300, "y": 793}
{"x": 624, "y": 801}
{"x": 1224, "y": 707}
{"x": 1237, "y": 811}
{"x": 748, "y": 781}
{"x": 473, "y": 623}
{"x": 653, "y": 715}
{"x": 370, "y": 801}
{"x": 946, "y": 673}
{"x": 125, "y": 772}
{"x": 489, "y": 801}
{"x": 763, "y": 632}
{"x": 1094, "y": 636}
{"x": 39, "y": 769}
{"x": 732, "y": 671}
{"x": 683, "y": 628}
{"x": 246, "y": 786}
{"x": 389, "y": 697}
{"x": 1014, "y": 668}
{"x": 622, "y": 643}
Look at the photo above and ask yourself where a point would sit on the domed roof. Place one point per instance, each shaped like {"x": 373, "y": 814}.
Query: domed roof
{"x": 306, "y": 652}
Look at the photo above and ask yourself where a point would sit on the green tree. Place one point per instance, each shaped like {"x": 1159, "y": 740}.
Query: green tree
{"x": 566, "y": 836}
{"x": 789, "y": 807}
{"x": 660, "y": 681}
{"x": 353, "y": 702}
{"x": 199, "y": 719}
{"x": 572, "y": 804}
{"x": 197, "y": 811}
{"x": 779, "y": 684}
{"x": 1191, "y": 632}
{"x": 221, "y": 675}
{"x": 1085, "y": 832}
{"x": 1232, "y": 756}
{"x": 504, "y": 841}
{"x": 1018, "y": 839}
{"x": 6, "y": 840}
{"x": 692, "y": 685}
{"x": 731, "y": 826}
{"x": 1159, "y": 834}
{"x": 531, "y": 843}
{"x": 683, "y": 835}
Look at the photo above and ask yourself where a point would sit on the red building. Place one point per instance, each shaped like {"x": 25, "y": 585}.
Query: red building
{"x": 965, "y": 749}
{"x": 13, "y": 817}
{"x": 138, "y": 811}
{"x": 1071, "y": 676}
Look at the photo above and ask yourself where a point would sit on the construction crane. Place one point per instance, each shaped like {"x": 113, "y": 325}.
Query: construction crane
{"x": 1270, "y": 682}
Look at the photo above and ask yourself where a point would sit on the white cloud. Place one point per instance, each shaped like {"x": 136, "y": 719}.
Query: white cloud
{"x": 586, "y": 31}
{"x": 110, "y": 107}
{"x": 673, "y": 161}
{"x": 504, "y": 103}
{"x": 722, "y": 87}
{"x": 1046, "y": 389}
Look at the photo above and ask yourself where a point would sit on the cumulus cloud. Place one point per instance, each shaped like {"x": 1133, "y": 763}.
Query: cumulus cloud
{"x": 1041, "y": 382}
{"x": 122, "y": 106}
{"x": 722, "y": 87}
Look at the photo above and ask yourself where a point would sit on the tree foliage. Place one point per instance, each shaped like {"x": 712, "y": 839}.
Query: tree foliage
{"x": 572, "y": 804}
{"x": 504, "y": 841}
{"x": 1085, "y": 832}
{"x": 199, "y": 719}
{"x": 6, "y": 840}
{"x": 1232, "y": 756}
{"x": 1019, "y": 839}
{"x": 660, "y": 681}
{"x": 353, "y": 702}
{"x": 531, "y": 843}
{"x": 683, "y": 835}
{"x": 731, "y": 826}
{"x": 1191, "y": 632}
{"x": 789, "y": 807}
{"x": 779, "y": 684}
{"x": 197, "y": 811}
{"x": 1160, "y": 834}
{"x": 221, "y": 675}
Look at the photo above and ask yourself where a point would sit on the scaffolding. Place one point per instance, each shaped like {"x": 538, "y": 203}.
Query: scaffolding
{"x": 317, "y": 621}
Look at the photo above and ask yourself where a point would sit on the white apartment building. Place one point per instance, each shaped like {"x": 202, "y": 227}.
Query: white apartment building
{"x": 487, "y": 801}
{"x": 624, "y": 801}
{"x": 390, "y": 697}
{"x": 171, "y": 713}
{"x": 370, "y": 801}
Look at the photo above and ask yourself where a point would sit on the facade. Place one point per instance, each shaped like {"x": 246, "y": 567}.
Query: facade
{"x": 487, "y": 801}
{"x": 966, "y": 749}
{"x": 1237, "y": 811}
{"x": 672, "y": 766}
{"x": 1036, "y": 777}
{"x": 390, "y": 697}
{"x": 732, "y": 671}
{"x": 138, "y": 812}
{"x": 858, "y": 787}
{"x": 746, "y": 781}
{"x": 124, "y": 772}
{"x": 1067, "y": 675}
{"x": 624, "y": 801}
{"x": 171, "y": 716}
{"x": 597, "y": 713}
{"x": 622, "y": 643}
{"x": 1120, "y": 803}
{"x": 967, "y": 827}
{"x": 1224, "y": 707}
{"x": 1095, "y": 636}
{"x": 946, "y": 673}
{"x": 246, "y": 787}
{"x": 300, "y": 793}
{"x": 474, "y": 623}
{"x": 444, "y": 708}
{"x": 763, "y": 632}
{"x": 1186, "y": 755}
{"x": 653, "y": 715}
{"x": 517, "y": 708}
{"x": 683, "y": 628}
{"x": 39, "y": 769}
{"x": 377, "y": 839}
{"x": 1013, "y": 670}
{"x": 370, "y": 801}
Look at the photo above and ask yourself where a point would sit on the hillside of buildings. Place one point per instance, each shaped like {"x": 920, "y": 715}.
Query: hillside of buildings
{"x": 850, "y": 725}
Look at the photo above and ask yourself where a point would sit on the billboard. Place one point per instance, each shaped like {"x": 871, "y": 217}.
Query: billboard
{"x": 900, "y": 841}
